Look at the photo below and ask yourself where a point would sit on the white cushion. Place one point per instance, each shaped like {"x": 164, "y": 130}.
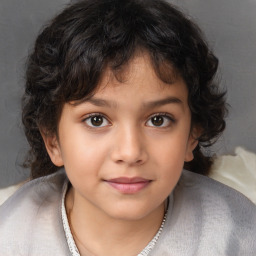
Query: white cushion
{"x": 237, "y": 171}
{"x": 8, "y": 191}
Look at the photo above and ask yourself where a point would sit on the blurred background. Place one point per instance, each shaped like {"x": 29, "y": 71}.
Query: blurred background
{"x": 229, "y": 26}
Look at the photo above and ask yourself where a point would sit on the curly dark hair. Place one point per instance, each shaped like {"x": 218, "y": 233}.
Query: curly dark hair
{"x": 73, "y": 50}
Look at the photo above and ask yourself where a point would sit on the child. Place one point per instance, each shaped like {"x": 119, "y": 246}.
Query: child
{"x": 119, "y": 99}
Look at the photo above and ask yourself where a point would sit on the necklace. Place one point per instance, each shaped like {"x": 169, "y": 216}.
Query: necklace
{"x": 70, "y": 239}
{"x": 152, "y": 243}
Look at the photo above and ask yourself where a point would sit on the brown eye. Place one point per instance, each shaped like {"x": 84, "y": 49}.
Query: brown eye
{"x": 96, "y": 121}
{"x": 160, "y": 120}
{"x": 157, "y": 120}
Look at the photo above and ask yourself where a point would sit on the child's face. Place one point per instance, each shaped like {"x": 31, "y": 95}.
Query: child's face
{"x": 124, "y": 149}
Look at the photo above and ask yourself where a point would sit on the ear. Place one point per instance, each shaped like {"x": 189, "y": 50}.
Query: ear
{"x": 53, "y": 148}
{"x": 192, "y": 143}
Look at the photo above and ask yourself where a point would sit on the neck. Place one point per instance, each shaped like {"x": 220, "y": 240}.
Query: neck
{"x": 96, "y": 233}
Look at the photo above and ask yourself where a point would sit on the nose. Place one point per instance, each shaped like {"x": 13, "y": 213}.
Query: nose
{"x": 129, "y": 147}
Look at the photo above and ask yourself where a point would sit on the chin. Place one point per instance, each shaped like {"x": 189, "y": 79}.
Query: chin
{"x": 130, "y": 213}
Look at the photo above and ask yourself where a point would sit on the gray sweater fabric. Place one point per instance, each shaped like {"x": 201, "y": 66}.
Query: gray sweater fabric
{"x": 205, "y": 218}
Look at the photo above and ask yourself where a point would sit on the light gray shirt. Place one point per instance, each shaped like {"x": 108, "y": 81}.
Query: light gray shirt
{"x": 205, "y": 218}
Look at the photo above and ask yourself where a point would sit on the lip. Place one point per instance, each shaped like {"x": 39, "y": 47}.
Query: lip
{"x": 127, "y": 185}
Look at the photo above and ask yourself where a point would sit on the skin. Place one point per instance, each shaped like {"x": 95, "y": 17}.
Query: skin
{"x": 128, "y": 143}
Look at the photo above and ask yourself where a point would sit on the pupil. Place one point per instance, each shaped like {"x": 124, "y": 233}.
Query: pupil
{"x": 97, "y": 120}
{"x": 157, "y": 120}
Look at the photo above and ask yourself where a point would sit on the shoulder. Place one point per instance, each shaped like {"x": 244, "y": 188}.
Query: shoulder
{"x": 212, "y": 218}
{"x": 213, "y": 193}
{"x": 34, "y": 193}
{"x": 217, "y": 200}
{"x": 32, "y": 214}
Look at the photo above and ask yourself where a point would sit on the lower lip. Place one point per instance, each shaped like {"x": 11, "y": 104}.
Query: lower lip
{"x": 129, "y": 188}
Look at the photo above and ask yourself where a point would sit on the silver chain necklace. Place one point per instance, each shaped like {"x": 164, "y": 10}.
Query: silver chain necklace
{"x": 70, "y": 240}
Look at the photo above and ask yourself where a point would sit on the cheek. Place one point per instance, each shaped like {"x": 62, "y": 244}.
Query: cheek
{"x": 171, "y": 149}
{"x": 82, "y": 153}
{"x": 169, "y": 156}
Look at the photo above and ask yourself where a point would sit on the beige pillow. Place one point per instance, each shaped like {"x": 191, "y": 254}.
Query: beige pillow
{"x": 237, "y": 171}
{"x": 8, "y": 191}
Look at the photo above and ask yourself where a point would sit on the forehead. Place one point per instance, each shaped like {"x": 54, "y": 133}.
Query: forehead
{"x": 137, "y": 87}
{"x": 138, "y": 73}
{"x": 136, "y": 90}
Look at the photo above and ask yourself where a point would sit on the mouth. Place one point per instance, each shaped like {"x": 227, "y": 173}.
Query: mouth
{"x": 127, "y": 185}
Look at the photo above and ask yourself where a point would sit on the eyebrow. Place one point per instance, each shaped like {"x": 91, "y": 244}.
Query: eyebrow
{"x": 162, "y": 102}
{"x": 101, "y": 103}
{"x": 151, "y": 104}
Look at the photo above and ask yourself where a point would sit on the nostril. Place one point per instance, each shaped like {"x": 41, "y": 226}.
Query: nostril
{"x": 136, "y": 162}
{"x": 128, "y": 149}
{"x": 139, "y": 161}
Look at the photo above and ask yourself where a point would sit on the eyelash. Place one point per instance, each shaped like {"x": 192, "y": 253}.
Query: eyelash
{"x": 164, "y": 115}
{"x": 89, "y": 118}
{"x": 170, "y": 118}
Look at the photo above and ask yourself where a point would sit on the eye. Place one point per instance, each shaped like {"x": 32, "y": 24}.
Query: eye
{"x": 96, "y": 120}
{"x": 160, "y": 120}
